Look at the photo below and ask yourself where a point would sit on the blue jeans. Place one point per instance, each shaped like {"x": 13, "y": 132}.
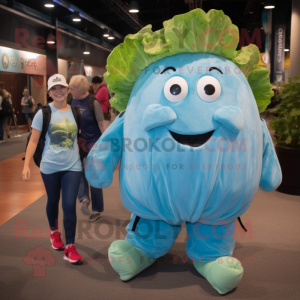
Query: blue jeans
{"x": 96, "y": 194}
{"x": 67, "y": 182}
{"x": 2, "y": 122}
{"x": 27, "y": 116}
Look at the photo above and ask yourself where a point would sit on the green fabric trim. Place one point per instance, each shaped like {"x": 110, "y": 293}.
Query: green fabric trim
{"x": 127, "y": 260}
{"x": 224, "y": 274}
{"x": 181, "y": 35}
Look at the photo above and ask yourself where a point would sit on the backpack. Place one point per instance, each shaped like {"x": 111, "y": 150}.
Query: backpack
{"x": 91, "y": 107}
{"x": 69, "y": 99}
{"x": 30, "y": 103}
{"x": 7, "y": 108}
{"x": 46, "y": 110}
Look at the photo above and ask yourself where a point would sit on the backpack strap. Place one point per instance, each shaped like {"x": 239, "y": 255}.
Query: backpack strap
{"x": 77, "y": 117}
{"x": 70, "y": 99}
{"x": 46, "y": 110}
{"x": 92, "y": 99}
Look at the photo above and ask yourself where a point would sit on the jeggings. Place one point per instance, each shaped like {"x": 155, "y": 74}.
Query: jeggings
{"x": 68, "y": 183}
{"x": 96, "y": 194}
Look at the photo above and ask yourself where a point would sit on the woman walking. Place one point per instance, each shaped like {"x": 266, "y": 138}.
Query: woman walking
{"x": 27, "y": 103}
{"x": 9, "y": 118}
{"x": 60, "y": 165}
{"x": 92, "y": 126}
{"x": 6, "y": 111}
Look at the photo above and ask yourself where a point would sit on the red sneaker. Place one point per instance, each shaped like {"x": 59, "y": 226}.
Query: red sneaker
{"x": 56, "y": 241}
{"x": 72, "y": 256}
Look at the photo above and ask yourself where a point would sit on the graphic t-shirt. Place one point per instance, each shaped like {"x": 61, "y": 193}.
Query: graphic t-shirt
{"x": 61, "y": 150}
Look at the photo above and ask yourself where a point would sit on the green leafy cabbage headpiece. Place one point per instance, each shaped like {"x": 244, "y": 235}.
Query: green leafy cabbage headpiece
{"x": 193, "y": 32}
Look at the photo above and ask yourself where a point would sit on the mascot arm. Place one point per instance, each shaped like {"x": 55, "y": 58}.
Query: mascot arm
{"x": 271, "y": 172}
{"x": 105, "y": 155}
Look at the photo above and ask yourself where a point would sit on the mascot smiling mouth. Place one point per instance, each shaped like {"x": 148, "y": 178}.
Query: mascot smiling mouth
{"x": 194, "y": 140}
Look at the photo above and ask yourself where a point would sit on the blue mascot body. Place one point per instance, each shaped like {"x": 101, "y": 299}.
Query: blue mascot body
{"x": 193, "y": 150}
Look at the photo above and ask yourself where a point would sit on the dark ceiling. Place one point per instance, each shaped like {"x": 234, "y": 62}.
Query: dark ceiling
{"x": 243, "y": 13}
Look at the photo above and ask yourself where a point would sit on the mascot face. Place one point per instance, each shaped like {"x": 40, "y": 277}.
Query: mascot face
{"x": 194, "y": 86}
{"x": 190, "y": 130}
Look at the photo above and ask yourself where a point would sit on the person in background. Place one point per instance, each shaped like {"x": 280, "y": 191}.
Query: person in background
{"x": 9, "y": 117}
{"x": 27, "y": 103}
{"x": 91, "y": 90}
{"x": 92, "y": 126}
{"x": 2, "y": 117}
{"x": 101, "y": 93}
{"x": 6, "y": 110}
{"x": 60, "y": 165}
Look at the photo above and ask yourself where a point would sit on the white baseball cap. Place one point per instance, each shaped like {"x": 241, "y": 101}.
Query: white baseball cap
{"x": 57, "y": 79}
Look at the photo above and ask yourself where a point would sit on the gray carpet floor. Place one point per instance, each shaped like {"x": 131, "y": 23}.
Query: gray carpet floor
{"x": 270, "y": 254}
{"x": 13, "y": 146}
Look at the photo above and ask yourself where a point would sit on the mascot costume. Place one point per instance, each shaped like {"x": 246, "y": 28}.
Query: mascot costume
{"x": 191, "y": 145}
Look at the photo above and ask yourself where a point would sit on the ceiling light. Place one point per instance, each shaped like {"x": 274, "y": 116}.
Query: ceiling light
{"x": 133, "y": 7}
{"x": 49, "y": 4}
{"x": 86, "y": 49}
{"x": 286, "y": 50}
{"x": 105, "y": 32}
{"x": 76, "y": 16}
{"x": 269, "y": 4}
{"x": 111, "y": 36}
{"x": 50, "y": 39}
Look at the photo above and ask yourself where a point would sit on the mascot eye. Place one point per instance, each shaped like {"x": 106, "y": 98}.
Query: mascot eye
{"x": 208, "y": 88}
{"x": 176, "y": 89}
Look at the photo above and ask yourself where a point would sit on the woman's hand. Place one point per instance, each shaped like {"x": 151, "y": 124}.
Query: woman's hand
{"x": 34, "y": 139}
{"x": 26, "y": 173}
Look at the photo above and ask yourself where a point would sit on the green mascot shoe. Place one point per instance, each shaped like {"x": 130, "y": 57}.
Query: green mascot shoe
{"x": 127, "y": 260}
{"x": 224, "y": 274}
